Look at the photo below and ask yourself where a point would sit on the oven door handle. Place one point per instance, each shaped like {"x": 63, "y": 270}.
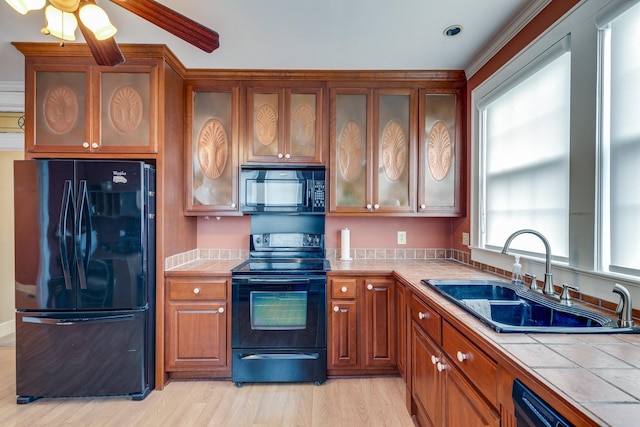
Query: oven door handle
{"x": 264, "y": 356}
{"x": 278, "y": 281}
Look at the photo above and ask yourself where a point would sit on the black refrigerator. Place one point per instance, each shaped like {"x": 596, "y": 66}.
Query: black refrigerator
{"x": 85, "y": 278}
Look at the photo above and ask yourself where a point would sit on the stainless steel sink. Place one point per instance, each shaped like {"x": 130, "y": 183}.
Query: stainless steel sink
{"x": 508, "y": 308}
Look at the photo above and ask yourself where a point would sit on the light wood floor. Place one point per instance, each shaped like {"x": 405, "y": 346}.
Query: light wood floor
{"x": 343, "y": 402}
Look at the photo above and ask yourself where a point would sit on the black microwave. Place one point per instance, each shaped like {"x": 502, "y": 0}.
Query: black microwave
{"x": 282, "y": 189}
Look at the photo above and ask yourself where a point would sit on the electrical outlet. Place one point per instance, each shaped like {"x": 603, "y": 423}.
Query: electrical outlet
{"x": 465, "y": 239}
{"x": 402, "y": 237}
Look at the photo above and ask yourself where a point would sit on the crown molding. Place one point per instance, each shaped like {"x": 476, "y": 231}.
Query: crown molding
{"x": 506, "y": 34}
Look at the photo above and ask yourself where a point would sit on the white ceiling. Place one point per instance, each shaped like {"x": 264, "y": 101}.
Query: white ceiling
{"x": 306, "y": 34}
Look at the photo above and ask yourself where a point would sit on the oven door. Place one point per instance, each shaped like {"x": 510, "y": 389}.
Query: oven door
{"x": 278, "y": 312}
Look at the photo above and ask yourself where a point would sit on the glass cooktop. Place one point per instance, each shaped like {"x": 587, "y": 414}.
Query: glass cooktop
{"x": 283, "y": 265}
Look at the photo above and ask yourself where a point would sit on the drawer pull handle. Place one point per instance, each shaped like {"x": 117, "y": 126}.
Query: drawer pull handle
{"x": 343, "y": 289}
{"x": 422, "y": 315}
{"x": 441, "y": 367}
{"x": 434, "y": 359}
{"x": 370, "y": 286}
{"x": 196, "y": 291}
{"x": 221, "y": 310}
{"x": 462, "y": 356}
{"x": 336, "y": 309}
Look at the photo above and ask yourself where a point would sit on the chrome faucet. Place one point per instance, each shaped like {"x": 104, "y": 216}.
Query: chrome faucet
{"x": 625, "y": 319}
{"x": 548, "y": 282}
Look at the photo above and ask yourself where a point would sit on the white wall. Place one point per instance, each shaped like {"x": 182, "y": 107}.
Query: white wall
{"x": 7, "y": 277}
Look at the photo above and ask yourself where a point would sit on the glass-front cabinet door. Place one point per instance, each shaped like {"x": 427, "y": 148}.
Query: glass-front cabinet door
{"x": 284, "y": 124}
{"x": 439, "y": 152}
{"x": 350, "y": 151}
{"x": 79, "y": 108}
{"x": 212, "y": 150}
{"x": 372, "y": 136}
{"x": 395, "y": 137}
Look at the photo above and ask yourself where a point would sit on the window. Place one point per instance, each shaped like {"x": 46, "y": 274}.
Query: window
{"x": 620, "y": 143}
{"x": 525, "y": 161}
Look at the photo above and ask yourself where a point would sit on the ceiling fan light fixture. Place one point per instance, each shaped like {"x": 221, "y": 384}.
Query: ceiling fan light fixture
{"x": 96, "y": 19}
{"x": 24, "y": 6}
{"x": 69, "y": 6}
{"x": 60, "y": 24}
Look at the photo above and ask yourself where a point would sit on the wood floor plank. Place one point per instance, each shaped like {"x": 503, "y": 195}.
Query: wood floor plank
{"x": 343, "y": 402}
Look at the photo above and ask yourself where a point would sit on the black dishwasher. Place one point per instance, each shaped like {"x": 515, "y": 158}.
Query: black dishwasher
{"x": 531, "y": 411}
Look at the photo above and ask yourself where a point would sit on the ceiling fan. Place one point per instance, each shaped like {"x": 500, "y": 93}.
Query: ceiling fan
{"x": 99, "y": 36}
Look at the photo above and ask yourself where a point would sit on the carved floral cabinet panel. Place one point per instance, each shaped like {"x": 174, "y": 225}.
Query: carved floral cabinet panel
{"x": 81, "y": 108}
{"x": 284, "y": 124}
{"x": 212, "y": 150}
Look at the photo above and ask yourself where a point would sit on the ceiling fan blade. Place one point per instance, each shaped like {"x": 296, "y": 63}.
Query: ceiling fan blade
{"x": 173, "y": 22}
{"x": 105, "y": 52}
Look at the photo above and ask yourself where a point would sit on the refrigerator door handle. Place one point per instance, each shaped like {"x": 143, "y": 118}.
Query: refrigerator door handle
{"x": 67, "y": 203}
{"x": 82, "y": 259}
{"x": 82, "y": 320}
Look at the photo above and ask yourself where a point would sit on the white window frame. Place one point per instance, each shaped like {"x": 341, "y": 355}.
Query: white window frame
{"x": 584, "y": 217}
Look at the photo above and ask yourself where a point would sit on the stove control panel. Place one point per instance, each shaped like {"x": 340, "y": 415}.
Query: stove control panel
{"x": 286, "y": 240}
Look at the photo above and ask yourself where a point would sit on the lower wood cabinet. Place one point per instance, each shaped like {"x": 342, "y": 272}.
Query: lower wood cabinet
{"x": 361, "y": 326}
{"x": 449, "y": 389}
{"x": 197, "y": 321}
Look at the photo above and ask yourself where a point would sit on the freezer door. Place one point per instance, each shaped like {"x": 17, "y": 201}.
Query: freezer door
{"x": 44, "y": 204}
{"x": 82, "y": 354}
{"x": 111, "y": 228}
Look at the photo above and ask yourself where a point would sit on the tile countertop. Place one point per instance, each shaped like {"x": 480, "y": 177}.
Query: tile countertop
{"x": 599, "y": 374}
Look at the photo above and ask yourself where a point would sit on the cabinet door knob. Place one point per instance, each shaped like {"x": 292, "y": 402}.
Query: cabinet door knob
{"x": 434, "y": 359}
{"x": 196, "y": 291}
{"x": 422, "y": 315}
{"x": 85, "y": 145}
{"x": 376, "y": 206}
{"x": 287, "y": 156}
{"x": 370, "y": 286}
{"x": 368, "y": 205}
{"x": 221, "y": 310}
{"x": 336, "y": 309}
{"x": 233, "y": 205}
{"x": 441, "y": 366}
{"x": 461, "y": 356}
{"x": 343, "y": 289}
{"x": 95, "y": 145}
{"x": 422, "y": 206}
{"x": 280, "y": 155}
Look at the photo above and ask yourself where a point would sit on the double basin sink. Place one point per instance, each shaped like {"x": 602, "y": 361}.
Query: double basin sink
{"x": 505, "y": 307}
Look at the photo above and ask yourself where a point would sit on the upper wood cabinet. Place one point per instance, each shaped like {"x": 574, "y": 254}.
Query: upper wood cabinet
{"x": 439, "y": 153}
{"x": 284, "y": 124}
{"x": 373, "y": 136}
{"x": 212, "y": 139}
{"x": 83, "y": 108}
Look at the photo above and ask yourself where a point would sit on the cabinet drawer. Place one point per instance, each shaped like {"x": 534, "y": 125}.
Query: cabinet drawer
{"x": 481, "y": 370}
{"x": 197, "y": 290}
{"x": 343, "y": 288}
{"x": 427, "y": 318}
